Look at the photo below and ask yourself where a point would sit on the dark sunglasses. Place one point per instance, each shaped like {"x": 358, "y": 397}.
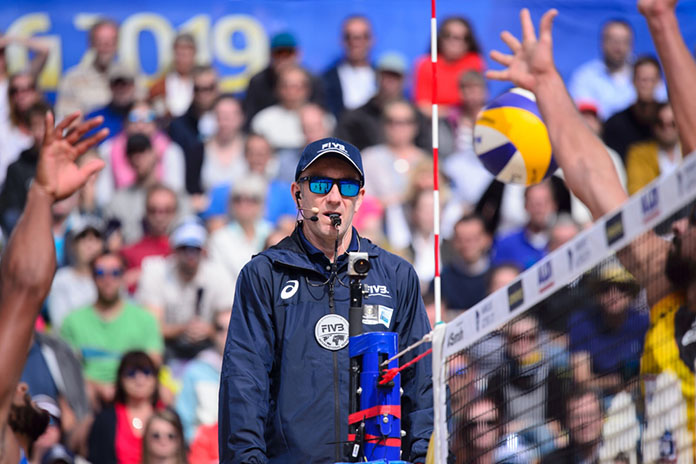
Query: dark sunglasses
{"x": 482, "y": 423}
{"x": 16, "y": 90}
{"x": 132, "y": 372}
{"x": 323, "y": 185}
{"x": 101, "y": 272}
{"x": 204, "y": 88}
{"x": 149, "y": 116}
{"x": 219, "y": 328}
{"x": 158, "y": 436}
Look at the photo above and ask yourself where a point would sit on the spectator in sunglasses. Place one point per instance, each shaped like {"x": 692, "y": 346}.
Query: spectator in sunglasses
{"x": 197, "y": 403}
{"x": 261, "y": 93}
{"x": 281, "y": 358}
{"x": 119, "y": 174}
{"x": 164, "y": 440}
{"x": 102, "y": 332}
{"x": 480, "y": 427}
{"x": 117, "y": 434}
{"x": 122, "y": 87}
{"x": 647, "y": 161}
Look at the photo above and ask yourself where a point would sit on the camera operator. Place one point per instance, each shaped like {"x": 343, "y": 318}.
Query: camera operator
{"x": 284, "y": 390}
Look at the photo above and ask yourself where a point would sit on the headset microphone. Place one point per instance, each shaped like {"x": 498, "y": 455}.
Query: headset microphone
{"x": 314, "y": 210}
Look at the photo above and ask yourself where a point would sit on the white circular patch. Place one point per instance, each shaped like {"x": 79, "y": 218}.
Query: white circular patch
{"x": 290, "y": 289}
{"x": 331, "y": 332}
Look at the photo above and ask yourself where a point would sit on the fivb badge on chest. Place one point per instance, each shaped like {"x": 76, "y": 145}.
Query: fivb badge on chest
{"x": 331, "y": 332}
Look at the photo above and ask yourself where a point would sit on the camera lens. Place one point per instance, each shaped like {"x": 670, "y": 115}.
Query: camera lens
{"x": 361, "y": 266}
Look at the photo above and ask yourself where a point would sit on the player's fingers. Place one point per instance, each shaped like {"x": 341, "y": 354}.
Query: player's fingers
{"x": 89, "y": 141}
{"x": 503, "y": 75}
{"x": 511, "y": 41}
{"x": 49, "y": 121}
{"x": 58, "y": 132}
{"x": 528, "y": 33}
{"x": 76, "y": 133}
{"x": 502, "y": 58}
{"x": 546, "y": 24}
{"x": 90, "y": 167}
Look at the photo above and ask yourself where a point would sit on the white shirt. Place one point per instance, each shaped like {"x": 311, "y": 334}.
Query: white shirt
{"x": 178, "y": 93}
{"x": 666, "y": 163}
{"x": 69, "y": 291}
{"x": 12, "y": 143}
{"x": 357, "y": 83}
{"x": 280, "y": 126}
{"x": 161, "y": 287}
{"x": 231, "y": 248}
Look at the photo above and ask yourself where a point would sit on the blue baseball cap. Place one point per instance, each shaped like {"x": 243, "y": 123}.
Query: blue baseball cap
{"x": 283, "y": 40}
{"x": 330, "y": 146}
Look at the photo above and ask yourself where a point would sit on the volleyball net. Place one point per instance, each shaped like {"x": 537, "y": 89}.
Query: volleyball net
{"x": 579, "y": 357}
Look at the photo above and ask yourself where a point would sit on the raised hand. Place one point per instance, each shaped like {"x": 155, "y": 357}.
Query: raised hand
{"x": 57, "y": 173}
{"x": 650, "y": 8}
{"x": 530, "y": 59}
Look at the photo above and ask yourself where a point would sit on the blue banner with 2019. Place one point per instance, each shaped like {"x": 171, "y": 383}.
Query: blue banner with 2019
{"x": 234, "y": 34}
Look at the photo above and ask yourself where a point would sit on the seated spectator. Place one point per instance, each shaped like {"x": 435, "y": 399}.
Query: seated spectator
{"x": 464, "y": 278}
{"x": 523, "y": 387}
{"x": 102, "y": 332}
{"x": 223, "y": 159}
{"x": 392, "y": 161}
{"x": 53, "y": 435}
{"x": 261, "y": 91}
{"x": 361, "y": 126}
{"x": 583, "y": 420}
{"x": 117, "y": 433}
{"x": 646, "y": 161}
{"x": 634, "y": 124}
{"x": 164, "y": 439}
{"x": 16, "y": 133}
{"x": 564, "y": 229}
{"x": 529, "y": 244}
{"x": 184, "y": 290}
{"x": 53, "y": 372}
{"x": 172, "y": 93}
{"x": 478, "y": 431}
{"x": 350, "y": 82}
{"x": 196, "y": 125}
{"x": 122, "y": 86}
{"x": 119, "y": 173}
{"x": 64, "y": 214}
{"x": 128, "y": 204}
{"x": 161, "y": 205}
{"x": 469, "y": 178}
{"x": 458, "y": 52}
{"x": 73, "y": 286}
{"x": 197, "y": 403}
{"x": 20, "y": 174}
{"x": 293, "y": 90}
{"x": 606, "y": 338}
{"x": 233, "y": 245}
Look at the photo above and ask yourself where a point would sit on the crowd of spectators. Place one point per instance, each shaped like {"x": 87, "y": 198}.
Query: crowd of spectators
{"x": 197, "y": 181}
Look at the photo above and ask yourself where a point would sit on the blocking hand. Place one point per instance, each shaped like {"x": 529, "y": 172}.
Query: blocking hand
{"x": 57, "y": 173}
{"x": 530, "y": 59}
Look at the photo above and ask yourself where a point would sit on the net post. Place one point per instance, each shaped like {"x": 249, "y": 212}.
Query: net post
{"x": 440, "y": 433}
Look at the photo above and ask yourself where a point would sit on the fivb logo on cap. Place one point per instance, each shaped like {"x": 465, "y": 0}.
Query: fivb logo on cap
{"x": 333, "y": 147}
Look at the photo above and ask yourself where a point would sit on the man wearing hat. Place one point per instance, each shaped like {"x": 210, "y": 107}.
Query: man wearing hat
{"x": 284, "y": 390}
{"x": 261, "y": 92}
{"x": 184, "y": 290}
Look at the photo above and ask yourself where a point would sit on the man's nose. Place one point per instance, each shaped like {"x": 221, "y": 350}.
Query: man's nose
{"x": 334, "y": 194}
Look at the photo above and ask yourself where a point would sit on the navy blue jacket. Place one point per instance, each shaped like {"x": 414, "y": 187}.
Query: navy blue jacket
{"x": 284, "y": 398}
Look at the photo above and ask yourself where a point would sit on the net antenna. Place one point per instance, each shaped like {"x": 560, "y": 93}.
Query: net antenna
{"x": 564, "y": 283}
{"x": 436, "y": 186}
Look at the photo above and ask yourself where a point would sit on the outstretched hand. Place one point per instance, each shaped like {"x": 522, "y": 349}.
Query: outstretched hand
{"x": 57, "y": 173}
{"x": 532, "y": 58}
{"x": 650, "y": 8}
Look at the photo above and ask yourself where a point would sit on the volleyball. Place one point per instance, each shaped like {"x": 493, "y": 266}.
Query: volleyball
{"x": 511, "y": 139}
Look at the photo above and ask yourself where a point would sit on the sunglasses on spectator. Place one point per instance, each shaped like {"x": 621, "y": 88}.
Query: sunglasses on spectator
{"x": 16, "y": 90}
{"x": 400, "y": 122}
{"x": 246, "y": 198}
{"x": 121, "y": 81}
{"x": 490, "y": 423}
{"x": 161, "y": 210}
{"x": 132, "y": 372}
{"x": 448, "y": 36}
{"x": 101, "y": 272}
{"x": 186, "y": 249}
{"x": 149, "y": 116}
{"x": 160, "y": 436}
{"x": 665, "y": 124}
{"x": 323, "y": 185}
{"x": 219, "y": 328}
{"x": 204, "y": 88}
{"x": 349, "y": 37}
{"x": 282, "y": 52}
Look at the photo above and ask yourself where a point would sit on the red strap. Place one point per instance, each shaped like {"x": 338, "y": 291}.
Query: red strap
{"x": 391, "y": 373}
{"x": 395, "y": 442}
{"x": 394, "y": 410}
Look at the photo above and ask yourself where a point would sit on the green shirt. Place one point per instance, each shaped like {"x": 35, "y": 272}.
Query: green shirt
{"x": 101, "y": 343}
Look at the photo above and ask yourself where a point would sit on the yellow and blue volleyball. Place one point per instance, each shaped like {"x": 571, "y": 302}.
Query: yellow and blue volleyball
{"x": 511, "y": 139}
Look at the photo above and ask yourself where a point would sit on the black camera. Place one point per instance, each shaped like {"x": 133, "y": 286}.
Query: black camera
{"x": 358, "y": 264}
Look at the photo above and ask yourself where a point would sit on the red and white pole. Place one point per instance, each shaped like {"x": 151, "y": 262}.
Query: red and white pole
{"x": 436, "y": 170}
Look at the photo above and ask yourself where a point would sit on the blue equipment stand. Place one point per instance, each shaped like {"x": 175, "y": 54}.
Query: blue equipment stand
{"x": 375, "y": 428}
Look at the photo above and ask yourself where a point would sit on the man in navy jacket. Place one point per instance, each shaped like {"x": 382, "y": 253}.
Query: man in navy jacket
{"x": 284, "y": 387}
